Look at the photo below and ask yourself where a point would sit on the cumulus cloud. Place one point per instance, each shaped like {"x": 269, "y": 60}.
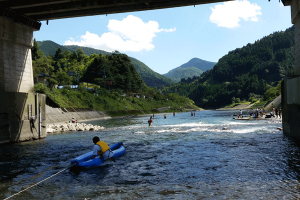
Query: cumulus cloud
{"x": 130, "y": 34}
{"x": 229, "y": 14}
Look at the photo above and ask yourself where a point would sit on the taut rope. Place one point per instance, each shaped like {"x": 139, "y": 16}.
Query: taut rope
{"x": 39, "y": 182}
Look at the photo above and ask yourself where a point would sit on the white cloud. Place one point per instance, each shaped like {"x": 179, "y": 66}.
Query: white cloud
{"x": 230, "y": 13}
{"x": 130, "y": 34}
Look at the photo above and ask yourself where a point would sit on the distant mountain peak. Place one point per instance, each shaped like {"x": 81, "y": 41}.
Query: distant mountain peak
{"x": 194, "y": 67}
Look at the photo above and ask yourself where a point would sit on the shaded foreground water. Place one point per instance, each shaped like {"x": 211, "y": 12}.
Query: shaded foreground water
{"x": 181, "y": 157}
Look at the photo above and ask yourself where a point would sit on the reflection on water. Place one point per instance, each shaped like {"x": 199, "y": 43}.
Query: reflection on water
{"x": 180, "y": 157}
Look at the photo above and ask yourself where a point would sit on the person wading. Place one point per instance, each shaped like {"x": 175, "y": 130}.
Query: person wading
{"x": 150, "y": 121}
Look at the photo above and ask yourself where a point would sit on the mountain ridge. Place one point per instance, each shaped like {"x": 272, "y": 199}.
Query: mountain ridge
{"x": 194, "y": 67}
{"x": 246, "y": 73}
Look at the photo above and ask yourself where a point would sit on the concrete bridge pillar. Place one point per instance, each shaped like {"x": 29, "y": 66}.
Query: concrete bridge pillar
{"x": 291, "y": 86}
{"x": 16, "y": 41}
{"x": 19, "y": 106}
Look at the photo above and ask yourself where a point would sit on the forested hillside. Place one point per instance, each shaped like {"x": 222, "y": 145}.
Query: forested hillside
{"x": 116, "y": 68}
{"x": 195, "y": 67}
{"x": 244, "y": 73}
{"x": 151, "y": 78}
{"x": 49, "y": 48}
{"x": 99, "y": 70}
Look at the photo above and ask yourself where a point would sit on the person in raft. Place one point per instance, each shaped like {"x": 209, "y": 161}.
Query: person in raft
{"x": 102, "y": 149}
{"x": 150, "y": 121}
{"x": 73, "y": 120}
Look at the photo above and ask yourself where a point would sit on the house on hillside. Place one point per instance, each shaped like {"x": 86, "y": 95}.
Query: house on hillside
{"x": 42, "y": 78}
{"x": 138, "y": 95}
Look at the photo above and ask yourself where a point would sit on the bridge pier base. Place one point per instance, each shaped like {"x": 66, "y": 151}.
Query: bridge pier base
{"x": 19, "y": 107}
{"x": 22, "y": 117}
{"x": 290, "y": 88}
{"x": 290, "y": 101}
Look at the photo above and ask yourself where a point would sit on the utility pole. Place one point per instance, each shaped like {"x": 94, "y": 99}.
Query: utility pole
{"x": 78, "y": 77}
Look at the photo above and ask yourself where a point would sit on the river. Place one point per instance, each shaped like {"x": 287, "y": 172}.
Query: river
{"x": 180, "y": 157}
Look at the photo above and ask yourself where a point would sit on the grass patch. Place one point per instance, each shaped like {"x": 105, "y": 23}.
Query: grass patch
{"x": 113, "y": 103}
{"x": 259, "y": 104}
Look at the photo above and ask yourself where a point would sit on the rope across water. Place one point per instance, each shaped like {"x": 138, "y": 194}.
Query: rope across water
{"x": 39, "y": 182}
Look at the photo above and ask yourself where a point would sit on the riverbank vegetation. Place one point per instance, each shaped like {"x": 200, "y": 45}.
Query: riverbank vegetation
{"x": 113, "y": 102}
{"x": 106, "y": 82}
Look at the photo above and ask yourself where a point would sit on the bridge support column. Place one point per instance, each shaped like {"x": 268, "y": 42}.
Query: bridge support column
{"x": 19, "y": 106}
{"x": 290, "y": 89}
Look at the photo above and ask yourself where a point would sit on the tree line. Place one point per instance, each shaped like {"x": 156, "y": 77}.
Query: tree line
{"x": 114, "y": 70}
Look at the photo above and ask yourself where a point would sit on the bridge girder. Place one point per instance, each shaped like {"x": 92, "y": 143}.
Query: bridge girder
{"x": 41, "y": 10}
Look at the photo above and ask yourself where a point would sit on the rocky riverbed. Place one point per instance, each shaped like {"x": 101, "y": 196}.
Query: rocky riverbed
{"x": 62, "y": 127}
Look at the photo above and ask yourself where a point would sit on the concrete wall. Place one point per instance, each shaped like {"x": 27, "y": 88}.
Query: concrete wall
{"x": 58, "y": 115}
{"x": 16, "y": 73}
{"x": 273, "y": 104}
{"x": 16, "y": 85}
{"x": 290, "y": 89}
{"x": 291, "y": 106}
{"x": 16, "y": 113}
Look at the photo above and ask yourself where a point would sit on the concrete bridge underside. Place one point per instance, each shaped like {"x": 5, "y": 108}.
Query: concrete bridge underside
{"x": 58, "y": 9}
{"x": 22, "y": 113}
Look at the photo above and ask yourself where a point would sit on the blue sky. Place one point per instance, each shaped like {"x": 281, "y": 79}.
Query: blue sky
{"x": 167, "y": 38}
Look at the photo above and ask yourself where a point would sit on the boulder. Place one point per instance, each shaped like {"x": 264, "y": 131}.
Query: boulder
{"x": 72, "y": 127}
{"x": 49, "y": 130}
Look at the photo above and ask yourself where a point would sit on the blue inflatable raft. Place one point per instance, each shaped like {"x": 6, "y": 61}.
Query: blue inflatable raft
{"x": 85, "y": 159}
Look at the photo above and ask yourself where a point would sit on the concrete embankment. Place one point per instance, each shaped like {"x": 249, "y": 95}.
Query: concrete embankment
{"x": 274, "y": 104}
{"x": 62, "y": 115}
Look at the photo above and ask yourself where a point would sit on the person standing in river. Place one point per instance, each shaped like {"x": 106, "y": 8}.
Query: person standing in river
{"x": 279, "y": 112}
{"x": 150, "y": 121}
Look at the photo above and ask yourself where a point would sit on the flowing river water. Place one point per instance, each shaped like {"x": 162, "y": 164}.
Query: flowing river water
{"x": 180, "y": 157}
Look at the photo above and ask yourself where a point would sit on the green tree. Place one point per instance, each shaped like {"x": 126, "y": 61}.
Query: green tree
{"x": 58, "y": 54}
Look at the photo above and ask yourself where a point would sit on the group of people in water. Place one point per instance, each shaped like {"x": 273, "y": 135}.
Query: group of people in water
{"x": 150, "y": 121}
{"x": 102, "y": 149}
{"x": 276, "y": 112}
{"x": 260, "y": 112}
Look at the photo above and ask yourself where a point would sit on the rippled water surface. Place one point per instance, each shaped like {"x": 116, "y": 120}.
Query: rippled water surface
{"x": 180, "y": 157}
